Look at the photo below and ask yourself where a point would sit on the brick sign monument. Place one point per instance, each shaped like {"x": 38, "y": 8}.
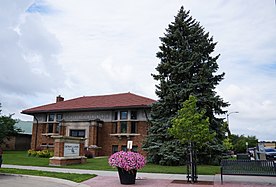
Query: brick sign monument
{"x": 68, "y": 150}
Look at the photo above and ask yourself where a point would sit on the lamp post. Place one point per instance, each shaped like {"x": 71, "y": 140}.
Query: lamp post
{"x": 227, "y": 117}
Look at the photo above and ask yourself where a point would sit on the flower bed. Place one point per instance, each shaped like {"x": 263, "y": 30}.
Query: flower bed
{"x": 42, "y": 154}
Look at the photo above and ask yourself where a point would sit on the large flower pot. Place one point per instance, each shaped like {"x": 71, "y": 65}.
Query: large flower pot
{"x": 127, "y": 177}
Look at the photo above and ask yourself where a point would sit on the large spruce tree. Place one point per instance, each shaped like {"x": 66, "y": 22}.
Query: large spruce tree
{"x": 187, "y": 67}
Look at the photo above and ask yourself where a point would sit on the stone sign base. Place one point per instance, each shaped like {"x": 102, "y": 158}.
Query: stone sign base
{"x": 68, "y": 150}
{"x": 61, "y": 161}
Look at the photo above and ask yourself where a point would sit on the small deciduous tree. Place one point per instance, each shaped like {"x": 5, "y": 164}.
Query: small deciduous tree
{"x": 239, "y": 142}
{"x": 227, "y": 143}
{"x": 7, "y": 127}
{"x": 191, "y": 127}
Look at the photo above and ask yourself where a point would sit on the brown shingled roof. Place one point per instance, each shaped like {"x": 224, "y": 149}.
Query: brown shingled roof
{"x": 124, "y": 100}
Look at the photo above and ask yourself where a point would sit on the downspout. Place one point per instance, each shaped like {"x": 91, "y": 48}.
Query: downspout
{"x": 36, "y": 131}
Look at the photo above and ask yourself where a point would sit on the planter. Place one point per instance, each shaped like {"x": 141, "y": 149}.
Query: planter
{"x": 127, "y": 177}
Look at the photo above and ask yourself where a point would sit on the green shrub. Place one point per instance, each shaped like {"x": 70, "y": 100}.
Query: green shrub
{"x": 51, "y": 153}
{"x": 29, "y": 152}
{"x": 41, "y": 154}
{"x": 33, "y": 153}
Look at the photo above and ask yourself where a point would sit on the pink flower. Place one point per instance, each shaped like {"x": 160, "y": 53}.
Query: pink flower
{"x": 127, "y": 160}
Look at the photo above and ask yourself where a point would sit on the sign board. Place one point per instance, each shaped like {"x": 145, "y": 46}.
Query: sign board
{"x": 71, "y": 149}
{"x": 261, "y": 148}
{"x": 129, "y": 144}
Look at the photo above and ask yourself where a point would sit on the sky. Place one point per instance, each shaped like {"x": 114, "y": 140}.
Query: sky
{"x": 79, "y": 48}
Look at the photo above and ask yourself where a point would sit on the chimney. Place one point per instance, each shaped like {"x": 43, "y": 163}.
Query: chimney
{"x": 59, "y": 99}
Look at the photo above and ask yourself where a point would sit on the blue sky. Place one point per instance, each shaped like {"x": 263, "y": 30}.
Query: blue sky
{"x": 39, "y": 7}
{"x": 87, "y": 47}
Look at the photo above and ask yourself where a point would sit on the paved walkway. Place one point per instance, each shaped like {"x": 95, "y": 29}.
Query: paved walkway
{"x": 7, "y": 180}
{"x": 110, "y": 179}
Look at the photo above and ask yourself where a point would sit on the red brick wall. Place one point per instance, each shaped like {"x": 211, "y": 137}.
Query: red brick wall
{"x": 59, "y": 149}
{"x": 38, "y": 140}
{"x": 9, "y": 143}
{"x": 106, "y": 141}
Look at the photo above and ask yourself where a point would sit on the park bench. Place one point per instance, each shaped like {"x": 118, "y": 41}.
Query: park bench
{"x": 248, "y": 167}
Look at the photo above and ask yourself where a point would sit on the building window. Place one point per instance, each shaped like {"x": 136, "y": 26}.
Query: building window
{"x": 51, "y": 117}
{"x": 59, "y": 117}
{"x": 114, "y": 128}
{"x": 77, "y": 133}
{"x": 45, "y": 118}
{"x": 50, "y": 127}
{"x": 134, "y": 149}
{"x": 133, "y": 127}
{"x": 123, "y": 126}
{"x": 114, "y": 148}
{"x": 124, "y": 148}
{"x": 133, "y": 115}
{"x": 123, "y": 115}
{"x": 115, "y": 116}
{"x": 58, "y": 128}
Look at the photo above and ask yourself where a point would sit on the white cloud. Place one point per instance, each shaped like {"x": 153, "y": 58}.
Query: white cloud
{"x": 76, "y": 48}
{"x": 28, "y": 57}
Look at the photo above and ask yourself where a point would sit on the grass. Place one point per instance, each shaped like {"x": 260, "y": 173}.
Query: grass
{"x": 21, "y": 158}
{"x": 68, "y": 176}
{"x": 201, "y": 169}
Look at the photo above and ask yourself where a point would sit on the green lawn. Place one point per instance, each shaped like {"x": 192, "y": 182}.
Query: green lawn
{"x": 68, "y": 176}
{"x": 21, "y": 158}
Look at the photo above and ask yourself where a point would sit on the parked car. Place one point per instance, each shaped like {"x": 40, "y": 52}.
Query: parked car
{"x": 251, "y": 151}
{"x": 270, "y": 153}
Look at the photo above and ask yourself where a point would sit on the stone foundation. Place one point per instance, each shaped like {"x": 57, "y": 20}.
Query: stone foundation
{"x": 61, "y": 161}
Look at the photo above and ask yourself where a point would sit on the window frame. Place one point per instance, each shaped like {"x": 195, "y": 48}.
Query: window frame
{"x": 115, "y": 115}
{"x": 133, "y": 115}
{"x": 124, "y": 148}
{"x": 51, "y": 119}
{"x": 133, "y": 130}
{"x": 50, "y": 128}
{"x": 123, "y": 125}
{"x": 122, "y": 116}
{"x": 78, "y": 132}
{"x": 114, "y": 129}
{"x": 115, "y": 147}
{"x": 134, "y": 149}
{"x": 57, "y": 118}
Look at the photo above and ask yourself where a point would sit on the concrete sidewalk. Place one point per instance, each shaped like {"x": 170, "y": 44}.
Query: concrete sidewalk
{"x": 110, "y": 173}
{"x": 101, "y": 181}
{"x": 9, "y": 180}
{"x": 110, "y": 179}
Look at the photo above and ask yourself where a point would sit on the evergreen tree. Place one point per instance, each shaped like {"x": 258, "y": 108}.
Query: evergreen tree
{"x": 186, "y": 68}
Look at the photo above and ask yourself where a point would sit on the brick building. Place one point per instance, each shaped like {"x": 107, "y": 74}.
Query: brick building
{"x": 107, "y": 122}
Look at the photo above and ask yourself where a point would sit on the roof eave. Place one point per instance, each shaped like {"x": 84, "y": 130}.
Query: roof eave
{"x": 85, "y": 109}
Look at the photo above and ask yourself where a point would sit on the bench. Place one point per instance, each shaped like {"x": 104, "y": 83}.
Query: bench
{"x": 247, "y": 167}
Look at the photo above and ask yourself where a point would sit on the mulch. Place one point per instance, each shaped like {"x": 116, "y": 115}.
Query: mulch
{"x": 197, "y": 183}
